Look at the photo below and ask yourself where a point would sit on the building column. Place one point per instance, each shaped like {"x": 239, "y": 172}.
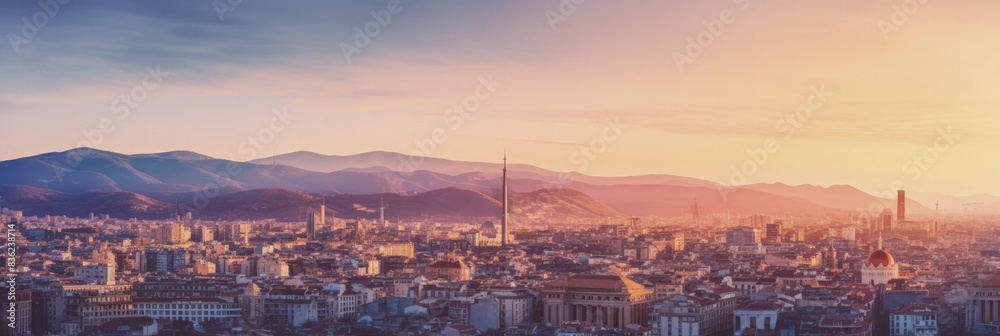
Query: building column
{"x": 628, "y": 315}
{"x": 619, "y": 317}
{"x": 988, "y": 311}
{"x": 980, "y": 311}
{"x": 970, "y": 315}
{"x": 993, "y": 310}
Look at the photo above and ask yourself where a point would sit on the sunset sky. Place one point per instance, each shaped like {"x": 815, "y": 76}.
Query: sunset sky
{"x": 893, "y": 94}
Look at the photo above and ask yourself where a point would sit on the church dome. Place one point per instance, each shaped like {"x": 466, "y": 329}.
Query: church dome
{"x": 879, "y": 258}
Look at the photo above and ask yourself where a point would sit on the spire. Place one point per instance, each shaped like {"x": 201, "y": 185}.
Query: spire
{"x": 503, "y": 202}
{"x": 880, "y": 240}
{"x": 381, "y": 212}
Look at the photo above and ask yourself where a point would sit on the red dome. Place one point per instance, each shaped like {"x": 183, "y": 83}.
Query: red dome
{"x": 879, "y": 258}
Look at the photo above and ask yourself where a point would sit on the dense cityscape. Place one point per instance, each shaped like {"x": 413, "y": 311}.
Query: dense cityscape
{"x": 500, "y": 168}
{"x": 708, "y": 273}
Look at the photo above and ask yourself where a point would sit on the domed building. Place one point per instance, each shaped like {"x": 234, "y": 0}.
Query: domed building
{"x": 879, "y": 268}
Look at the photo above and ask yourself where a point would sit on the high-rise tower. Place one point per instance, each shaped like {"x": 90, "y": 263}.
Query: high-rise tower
{"x": 695, "y": 210}
{"x": 885, "y": 220}
{"x": 381, "y": 213}
{"x": 934, "y": 226}
{"x": 311, "y": 225}
{"x": 322, "y": 212}
{"x": 503, "y": 202}
{"x": 901, "y": 205}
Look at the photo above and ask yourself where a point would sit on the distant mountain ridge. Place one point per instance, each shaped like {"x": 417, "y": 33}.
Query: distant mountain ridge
{"x": 292, "y": 205}
{"x": 183, "y": 175}
{"x": 389, "y": 161}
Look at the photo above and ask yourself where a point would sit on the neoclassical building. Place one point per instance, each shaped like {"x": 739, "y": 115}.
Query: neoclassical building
{"x": 609, "y": 300}
{"x": 984, "y": 305}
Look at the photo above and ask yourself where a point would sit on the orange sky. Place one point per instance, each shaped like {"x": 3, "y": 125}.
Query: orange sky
{"x": 891, "y": 94}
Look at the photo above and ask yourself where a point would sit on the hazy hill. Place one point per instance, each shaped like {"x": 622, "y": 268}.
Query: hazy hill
{"x": 291, "y": 205}
{"x": 642, "y": 200}
{"x": 40, "y": 202}
{"x": 389, "y": 161}
{"x": 966, "y": 204}
{"x": 838, "y": 196}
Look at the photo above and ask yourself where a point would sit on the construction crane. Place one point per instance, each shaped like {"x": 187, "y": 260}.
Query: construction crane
{"x": 974, "y": 206}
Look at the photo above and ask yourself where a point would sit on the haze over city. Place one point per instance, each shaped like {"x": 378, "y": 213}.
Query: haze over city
{"x": 500, "y": 168}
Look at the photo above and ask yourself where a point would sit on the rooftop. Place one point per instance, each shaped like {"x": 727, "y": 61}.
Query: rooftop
{"x": 597, "y": 281}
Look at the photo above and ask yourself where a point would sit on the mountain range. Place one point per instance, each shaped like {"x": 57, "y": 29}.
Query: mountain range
{"x": 80, "y": 181}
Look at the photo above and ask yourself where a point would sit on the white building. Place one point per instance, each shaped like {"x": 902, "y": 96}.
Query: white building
{"x": 103, "y": 274}
{"x": 914, "y": 320}
{"x": 289, "y": 312}
{"x": 761, "y": 313}
{"x": 188, "y": 310}
{"x": 516, "y": 306}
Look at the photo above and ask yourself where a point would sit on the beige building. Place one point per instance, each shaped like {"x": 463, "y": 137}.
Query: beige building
{"x": 272, "y": 267}
{"x": 609, "y": 300}
{"x": 171, "y": 233}
{"x": 451, "y": 270}
{"x": 402, "y": 249}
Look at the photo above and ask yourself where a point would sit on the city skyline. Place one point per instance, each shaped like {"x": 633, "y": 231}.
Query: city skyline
{"x": 893, "y": 83}
{"x": 500, "y": 168}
